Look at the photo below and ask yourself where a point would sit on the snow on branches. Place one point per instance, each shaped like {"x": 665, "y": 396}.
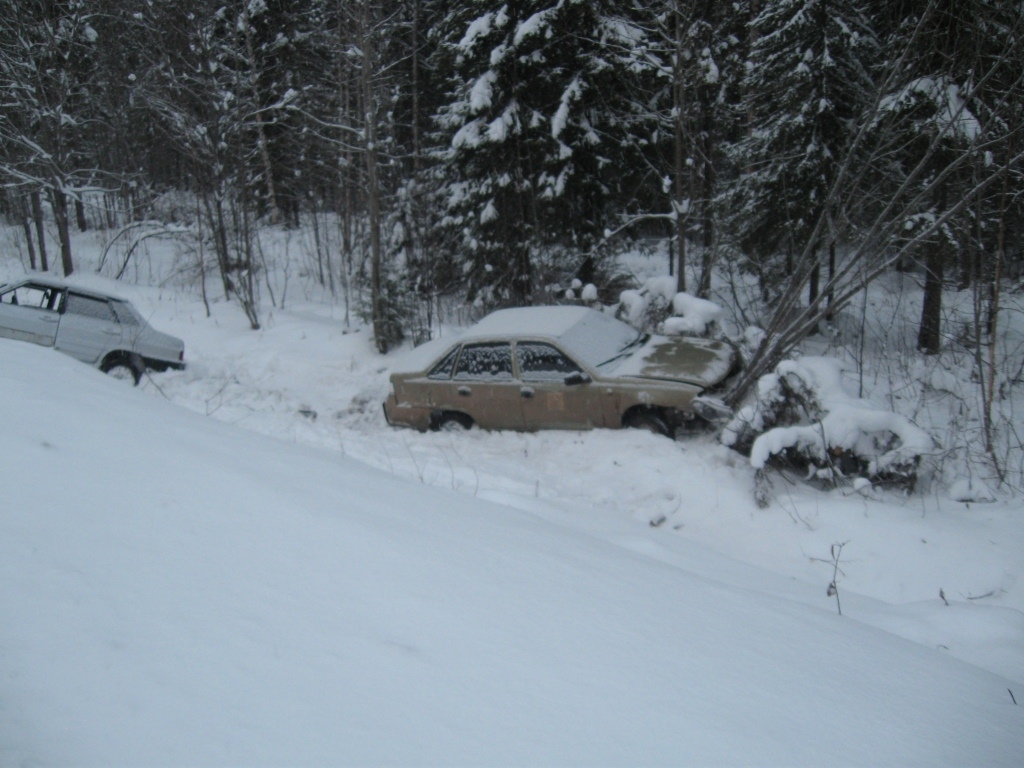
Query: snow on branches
{"x": 803, "y": 416}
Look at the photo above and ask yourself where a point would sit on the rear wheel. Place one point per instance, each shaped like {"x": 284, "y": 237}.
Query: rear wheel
{"x": 452, "y": 421}
{"x": 649, "y": 419}
{"x": 121, "y": 368}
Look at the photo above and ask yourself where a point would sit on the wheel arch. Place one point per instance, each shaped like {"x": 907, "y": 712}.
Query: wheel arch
{"x": 440, "y": 415}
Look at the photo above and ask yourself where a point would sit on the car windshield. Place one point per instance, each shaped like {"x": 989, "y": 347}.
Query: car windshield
{"x": 600, "y": 341}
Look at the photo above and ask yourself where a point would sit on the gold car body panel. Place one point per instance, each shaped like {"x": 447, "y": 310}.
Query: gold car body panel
{"x": 651, "y": 379}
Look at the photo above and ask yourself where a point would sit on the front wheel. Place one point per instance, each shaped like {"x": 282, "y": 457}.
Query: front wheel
{"x": 122, "y": 369}
{"x": 452, "y": 421}
{"x": 651, "y": 420}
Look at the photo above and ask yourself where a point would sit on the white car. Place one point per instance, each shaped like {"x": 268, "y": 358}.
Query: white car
{"x": 96, "y": 328}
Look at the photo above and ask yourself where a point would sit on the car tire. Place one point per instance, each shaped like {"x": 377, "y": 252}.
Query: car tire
{"x": 650, "y": 420}
{"x": 452, "y": 421}
{"x": 120, "y": 368}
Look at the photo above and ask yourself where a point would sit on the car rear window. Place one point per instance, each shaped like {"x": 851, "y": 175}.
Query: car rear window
{"x": 443, "y": 370}
{"x": 124, "y": 315}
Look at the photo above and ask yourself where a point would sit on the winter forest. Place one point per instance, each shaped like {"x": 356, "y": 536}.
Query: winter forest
{"x": 783, "y": 155}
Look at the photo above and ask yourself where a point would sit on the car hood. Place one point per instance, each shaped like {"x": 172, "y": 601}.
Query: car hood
{"x": 703, "y": 362}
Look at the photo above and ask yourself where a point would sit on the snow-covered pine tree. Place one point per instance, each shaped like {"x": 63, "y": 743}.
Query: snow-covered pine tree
{"x": 531, "y": 164}
{"x": 693, "y": 64}
{"x": 947, "y": 124}
{"x": 808, "y": 81}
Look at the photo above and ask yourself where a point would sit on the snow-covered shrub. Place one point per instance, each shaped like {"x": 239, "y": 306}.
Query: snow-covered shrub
{"x": 658, "y": 307}
{"x": 968, "y": 489}
{"x": 803, "y": 416}
{"x": 691, "y": 316}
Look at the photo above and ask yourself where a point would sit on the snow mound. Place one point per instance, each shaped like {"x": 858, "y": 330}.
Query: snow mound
{"x": 970, "y": 489}
{"x": 803, "y": 409}
{"x": 659, "y": 306}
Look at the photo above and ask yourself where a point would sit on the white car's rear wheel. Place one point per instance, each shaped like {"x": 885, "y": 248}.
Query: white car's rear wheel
{"x": 122, "y": 369}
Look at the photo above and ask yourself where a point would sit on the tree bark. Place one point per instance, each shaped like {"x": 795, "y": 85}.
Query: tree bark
{"x": 679, "y": 139}
{"x": 274, "y": 211}
{"x": 59, "y": 201}
{"x": 929, "y": 336}
{"x": 929, "y": 339}
{"x": 381, "y": 333}
{"x": 37, "y": 214}
{"x": 83, "y": 223}
{"x": 27, "y": 223}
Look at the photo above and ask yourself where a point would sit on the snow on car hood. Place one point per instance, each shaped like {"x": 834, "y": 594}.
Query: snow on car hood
{"x": 696, "y": 361}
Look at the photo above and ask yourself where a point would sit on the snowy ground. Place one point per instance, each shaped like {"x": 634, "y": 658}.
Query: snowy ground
{"x": 192, "y": 593}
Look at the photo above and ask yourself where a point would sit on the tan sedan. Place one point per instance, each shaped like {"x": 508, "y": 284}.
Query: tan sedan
{"x": 558, "y": 368}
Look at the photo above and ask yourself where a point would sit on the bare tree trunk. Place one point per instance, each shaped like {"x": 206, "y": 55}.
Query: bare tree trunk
{"x": 830, "y": 294}
{"x": 416, "y": 162}
{"x": 381, "y": 333}
{"x": 274, "y": 211}
{"x": 679, "y": 164}
{"x": 215, "y": 214}
{"x": 929, "y": 337}
{"x": 814, "y": 283}
{"x": 83, "y": 223}
{"x": 26, "y": 222}
{"x": 59, "y": 201}
{"x": 37, "y": 214}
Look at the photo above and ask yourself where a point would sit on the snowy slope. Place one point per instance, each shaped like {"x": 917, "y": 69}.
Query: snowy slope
{"x": 178, "y": 591}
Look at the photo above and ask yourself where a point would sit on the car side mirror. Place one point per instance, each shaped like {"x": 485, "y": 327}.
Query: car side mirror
{"x": 576, "y": 377}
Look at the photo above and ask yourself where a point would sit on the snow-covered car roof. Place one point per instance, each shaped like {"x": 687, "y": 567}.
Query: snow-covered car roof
{"x": 536, "y": 322}
{"x": 54, "y": 282}
{"x": 530, "y": 321}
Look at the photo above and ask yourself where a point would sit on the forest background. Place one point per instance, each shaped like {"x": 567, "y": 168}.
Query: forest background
{"x": 785, "y": 154}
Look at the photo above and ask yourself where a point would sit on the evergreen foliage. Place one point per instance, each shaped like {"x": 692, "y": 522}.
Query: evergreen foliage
{"x": 485, "y": 149}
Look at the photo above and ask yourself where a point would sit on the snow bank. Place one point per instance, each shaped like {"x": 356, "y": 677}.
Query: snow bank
{"x": 689, "y": 314}
{"x": 194, "y": 594}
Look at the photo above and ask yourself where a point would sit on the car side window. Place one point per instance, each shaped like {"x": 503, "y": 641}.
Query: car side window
{"x": 87, "y": 306}
{"x": 543, "y": 362}
{"x": 443, "y": 370}
{"x": 485, "y": 362}
{"x": 33, "y": 296}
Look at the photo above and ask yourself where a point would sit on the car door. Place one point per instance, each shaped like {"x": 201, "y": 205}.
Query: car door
{"x": 88, "y": 328}
{"x": 483, "y": 386}
{"x": 29, "y": 313}
{"x": 556, "y": 393}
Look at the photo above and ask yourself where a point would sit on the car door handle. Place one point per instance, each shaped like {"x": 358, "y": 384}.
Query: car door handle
{"x": 526, "y": 392}
{"x": 465, "y": 391}
{"x": 49, "y": 319}
{"x": 111, "y": 332}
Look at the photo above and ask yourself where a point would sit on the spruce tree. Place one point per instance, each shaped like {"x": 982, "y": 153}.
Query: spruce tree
{"x": 808, "y": 82}
{"x": 532, "y": 140}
